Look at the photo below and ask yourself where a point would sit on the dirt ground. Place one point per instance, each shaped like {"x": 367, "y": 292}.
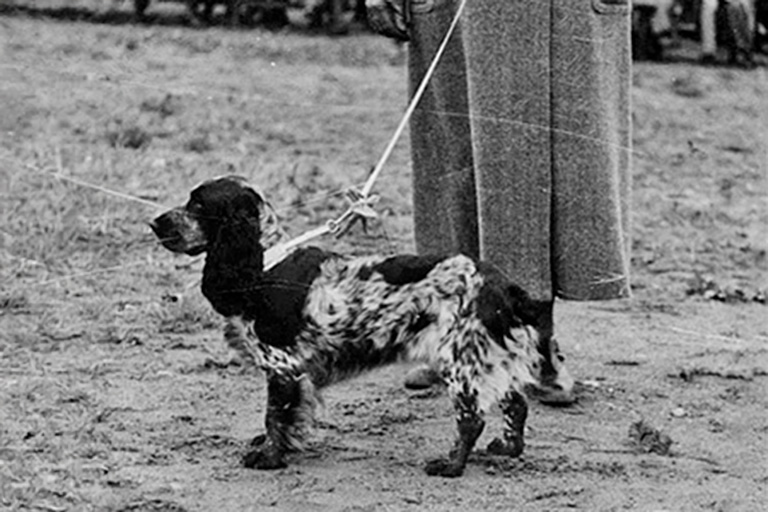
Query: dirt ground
{"x": 117, "y": 393}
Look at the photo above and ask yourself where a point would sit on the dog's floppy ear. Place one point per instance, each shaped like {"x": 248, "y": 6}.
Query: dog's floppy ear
{"x": 249, "y": 200}
{"x": 235, "y": 260}
{"x": 240, "y": 225}
{"x": 246, "y": 204}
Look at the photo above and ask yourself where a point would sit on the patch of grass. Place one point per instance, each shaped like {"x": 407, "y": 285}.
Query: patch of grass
{"x": 687, "y": 87}
{"x": 187, "y": 315}
{"x": 168, "y": 106}
{"x": 130, "y": 137}
{"x": 199, "y": 143}
{"x": 13, "y": 302}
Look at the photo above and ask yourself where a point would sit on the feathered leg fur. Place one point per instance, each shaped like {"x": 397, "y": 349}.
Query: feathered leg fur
{"x": 470, "y": 425}
{"x": 290, "y": 409}
{"x": 515, "y": 411}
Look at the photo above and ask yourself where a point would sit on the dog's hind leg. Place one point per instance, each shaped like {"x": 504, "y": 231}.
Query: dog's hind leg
{"x": 470, "y": 425}
{"x": 515, "y": 411}
{"x": 285, "y": 421}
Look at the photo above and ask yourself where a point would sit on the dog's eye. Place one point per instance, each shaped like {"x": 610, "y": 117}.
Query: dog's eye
{"x": 194, "y": 207}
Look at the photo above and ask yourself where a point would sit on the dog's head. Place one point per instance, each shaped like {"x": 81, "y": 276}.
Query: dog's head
{"x": 222, "y": 202}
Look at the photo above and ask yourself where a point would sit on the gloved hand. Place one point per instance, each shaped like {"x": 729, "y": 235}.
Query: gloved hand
{"x": 389, "y": 17}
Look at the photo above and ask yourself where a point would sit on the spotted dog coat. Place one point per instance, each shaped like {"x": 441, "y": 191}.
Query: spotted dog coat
{"x": 318, "y": 317}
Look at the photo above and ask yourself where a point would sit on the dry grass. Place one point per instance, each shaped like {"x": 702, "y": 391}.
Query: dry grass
{"x": 103, "y": 335}
{"x": 105, "y": 125}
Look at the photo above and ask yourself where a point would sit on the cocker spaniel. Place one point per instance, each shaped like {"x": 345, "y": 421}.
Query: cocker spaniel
{"x": 318, "y": 317}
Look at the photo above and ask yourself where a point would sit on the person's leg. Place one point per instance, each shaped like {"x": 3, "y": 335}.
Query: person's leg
{"x": 707, "y": 27}
{"x": 493, "y": 167}
{"x": 508, "y": 47}
{"x": 741, "y": 23}
{"x": 591, "y": 148}
{"x": 662, "y": 22}
{"x": 444, "y": 199}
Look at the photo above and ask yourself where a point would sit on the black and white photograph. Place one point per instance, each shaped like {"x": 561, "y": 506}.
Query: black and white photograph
{"x": 383, "y": 255}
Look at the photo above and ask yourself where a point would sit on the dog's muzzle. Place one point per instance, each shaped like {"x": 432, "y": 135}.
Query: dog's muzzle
{"x": 178, "y": 232}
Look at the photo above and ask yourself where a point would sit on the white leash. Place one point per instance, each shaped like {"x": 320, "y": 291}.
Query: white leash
{"x": 362, "y": 202}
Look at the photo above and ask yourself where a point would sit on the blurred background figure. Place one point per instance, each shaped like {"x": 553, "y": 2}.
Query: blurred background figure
{"x": 730, "y": 23}
{"x": 761, "y": 26}
{"x": 652, "y": 20}
{"x": 663, "y": 21}
{"x": 736, "y": 27}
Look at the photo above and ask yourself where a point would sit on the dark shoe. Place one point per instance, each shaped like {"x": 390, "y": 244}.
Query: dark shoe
{"x": 421, "y": 377}
{"x": 551, "y": 393}
{"x": 708, "y": 59}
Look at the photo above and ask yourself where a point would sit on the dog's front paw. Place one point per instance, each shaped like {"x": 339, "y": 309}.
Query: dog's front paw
{"x": 264, "y": 458}
{"x": 444, "y": 467}
{"x": 508, "y": 448}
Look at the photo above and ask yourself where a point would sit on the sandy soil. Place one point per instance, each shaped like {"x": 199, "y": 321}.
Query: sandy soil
{"x": 116, "y": 392}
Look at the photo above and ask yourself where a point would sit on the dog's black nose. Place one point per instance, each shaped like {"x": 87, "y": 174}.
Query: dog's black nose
{"x": 161, "y": 225}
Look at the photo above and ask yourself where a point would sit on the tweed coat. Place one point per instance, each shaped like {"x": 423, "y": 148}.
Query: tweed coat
{"x": 521, "y": 143}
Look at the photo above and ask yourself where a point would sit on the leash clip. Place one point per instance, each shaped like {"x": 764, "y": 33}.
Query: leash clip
{"x": 361, "y": 209}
